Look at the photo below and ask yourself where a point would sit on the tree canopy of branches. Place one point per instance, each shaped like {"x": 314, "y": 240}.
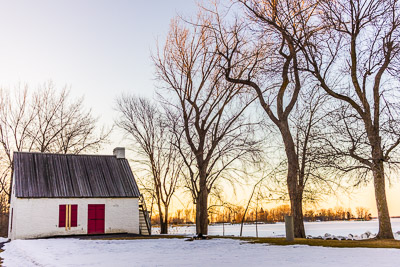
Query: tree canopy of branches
{"x": 154, "y": 143}
{"x": 45, "y": 120}
{"x": 211, "y": 130}
{"x": 260, "y": 53}
{"x": 354, "y": 56}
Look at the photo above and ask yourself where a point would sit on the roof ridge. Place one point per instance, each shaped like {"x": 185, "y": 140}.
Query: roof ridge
{"x": 61, "y": 154}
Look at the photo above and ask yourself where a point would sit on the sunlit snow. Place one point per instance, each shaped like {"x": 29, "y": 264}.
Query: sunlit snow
{"x": 177, "y": 252}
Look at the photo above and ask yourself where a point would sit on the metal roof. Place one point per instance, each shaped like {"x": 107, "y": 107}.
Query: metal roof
{"x": 45, "y": 175}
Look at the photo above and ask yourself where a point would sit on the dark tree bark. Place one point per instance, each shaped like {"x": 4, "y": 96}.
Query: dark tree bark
{"x": 202, "y": 212}
{"x": 164, "y": 221}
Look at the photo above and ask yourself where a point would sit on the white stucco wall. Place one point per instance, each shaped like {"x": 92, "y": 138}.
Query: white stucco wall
{"x": 38, "y": 217}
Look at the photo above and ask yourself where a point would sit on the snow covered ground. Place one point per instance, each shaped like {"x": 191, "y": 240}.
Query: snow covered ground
{"x": 343, "y": 228}
{"x": 215, "y": 252}
{"x": 177, "y": 252}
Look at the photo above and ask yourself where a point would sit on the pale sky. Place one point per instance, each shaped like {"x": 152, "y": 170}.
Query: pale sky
{"x": 101, "y": 49}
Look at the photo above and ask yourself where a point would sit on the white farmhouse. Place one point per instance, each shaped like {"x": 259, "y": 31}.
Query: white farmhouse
{"x": 63, "y": 194}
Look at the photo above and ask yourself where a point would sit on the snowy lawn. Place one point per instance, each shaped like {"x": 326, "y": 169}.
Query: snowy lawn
{"x": 177, "y": 252}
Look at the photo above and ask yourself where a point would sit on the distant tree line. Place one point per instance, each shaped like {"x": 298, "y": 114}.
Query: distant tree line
{"x": 235, "y": 215}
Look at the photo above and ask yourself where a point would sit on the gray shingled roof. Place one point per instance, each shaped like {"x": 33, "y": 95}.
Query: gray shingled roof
{"x": 62, "y": 175}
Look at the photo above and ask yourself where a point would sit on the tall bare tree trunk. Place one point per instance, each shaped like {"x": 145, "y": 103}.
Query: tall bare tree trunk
{"x": 201, "y": 212}
{"x": 296, "y": 202}
{"x": 202, "y": 207}
{"x": 296, "y": 208}
{"x": 164, "y": 221}
{"x": 295, "y": 185}
{"x": 163, "y": 228}
{"x": 385, "y": 227}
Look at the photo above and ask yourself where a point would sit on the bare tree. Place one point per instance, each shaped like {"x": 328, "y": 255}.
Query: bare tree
{"x": 211, "y": 130}
{"x": 62, "y": 125}
{"x": 259, "y": 52}
{"x": 317, "y": 159}
{"x": 44, "y": 121}
{"x": 16, "y": 118}
{"x": 149, "y": 128}
{"x": 354, "y": 56}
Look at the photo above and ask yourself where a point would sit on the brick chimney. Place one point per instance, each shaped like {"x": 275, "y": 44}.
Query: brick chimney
{"x": 119, "y": 152}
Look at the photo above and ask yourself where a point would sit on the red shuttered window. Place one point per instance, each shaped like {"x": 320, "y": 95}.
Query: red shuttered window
{"x": 74, "y": 215}
{"x": 68, "y": 216}
{"x": 61, "y": 216}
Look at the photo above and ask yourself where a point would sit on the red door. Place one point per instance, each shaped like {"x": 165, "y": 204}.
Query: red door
{"x": 96, "y": 218}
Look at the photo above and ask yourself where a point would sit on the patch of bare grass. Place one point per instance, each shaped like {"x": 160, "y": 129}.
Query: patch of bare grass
{"x": 368, "y": 243}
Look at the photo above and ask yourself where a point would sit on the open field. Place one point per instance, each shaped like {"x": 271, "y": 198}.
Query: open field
{"x": 343, "y": 228}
